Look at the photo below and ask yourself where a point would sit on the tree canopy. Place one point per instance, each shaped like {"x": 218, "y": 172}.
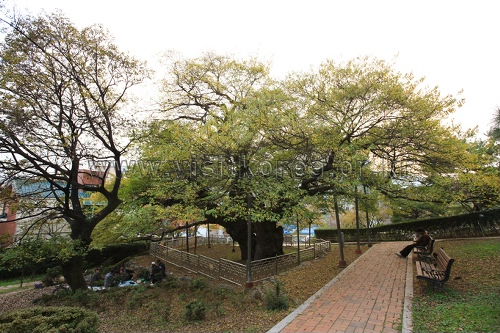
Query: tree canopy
{"x": 230, "y": 133}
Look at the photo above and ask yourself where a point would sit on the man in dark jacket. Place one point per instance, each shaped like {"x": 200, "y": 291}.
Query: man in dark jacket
{"x": 423, "y": 240}
{"x": 155, "y": 273}
{"x": 162, "y": 268}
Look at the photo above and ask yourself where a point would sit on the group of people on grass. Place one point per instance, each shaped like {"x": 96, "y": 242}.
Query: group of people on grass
{"x": 156, "y": 273}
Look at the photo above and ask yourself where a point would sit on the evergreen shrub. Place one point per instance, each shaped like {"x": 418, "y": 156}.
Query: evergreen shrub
{"x": 49, "y": 319}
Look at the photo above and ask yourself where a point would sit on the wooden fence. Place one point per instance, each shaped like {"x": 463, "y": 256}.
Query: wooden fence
{"x": 232, "y": 271}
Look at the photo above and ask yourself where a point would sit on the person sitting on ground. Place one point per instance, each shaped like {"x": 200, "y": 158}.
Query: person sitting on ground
{"x": 162, "y": 268}
{"x": 96, "y": 277}
{"x": 423, "y": 240}
{"x": 108, "y": 278}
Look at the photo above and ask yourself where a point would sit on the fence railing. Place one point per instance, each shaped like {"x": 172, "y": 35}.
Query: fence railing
{"x": 180, "y": 242}
{"x": 232, "y": 271}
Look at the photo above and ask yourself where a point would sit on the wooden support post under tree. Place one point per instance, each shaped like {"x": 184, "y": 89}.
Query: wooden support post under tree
{"x": 358, "y": 248}
{"x": 249, "y": 283}
{"x": 342, "y": 262}
{"x": 208, "y": 234}
{"x": 298, "y": 240}
{"x": 187, "y": 237}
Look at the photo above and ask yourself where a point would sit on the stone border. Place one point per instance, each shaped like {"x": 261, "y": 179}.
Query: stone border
{"x": 407, "y": 306}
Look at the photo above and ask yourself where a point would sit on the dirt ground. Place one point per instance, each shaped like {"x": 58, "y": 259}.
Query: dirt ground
{"x": 235, "y": 312}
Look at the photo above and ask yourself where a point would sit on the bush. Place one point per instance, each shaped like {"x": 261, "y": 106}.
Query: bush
{"x": 49, "y": 319}
{"x": 195, "y": 310}
{"x": 169, "y": 282}
{"x": 86, "y": 298}
{"x": 143, "y": 274}
{"x": 274, "y": 298}
{"x": 198, "y": 284}
{"x": 51, "y": 276}
{"x": 136, "y": 301}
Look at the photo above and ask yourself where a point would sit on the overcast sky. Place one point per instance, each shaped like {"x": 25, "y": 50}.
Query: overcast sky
{"x": 453, "y": 44}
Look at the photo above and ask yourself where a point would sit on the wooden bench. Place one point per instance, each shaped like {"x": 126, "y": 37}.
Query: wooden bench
{"x": 425, "y": 252}
{"x": 436, "y": 272}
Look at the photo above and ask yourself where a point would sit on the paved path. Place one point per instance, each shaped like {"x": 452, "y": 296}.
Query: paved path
{"x": 368, "y": 296}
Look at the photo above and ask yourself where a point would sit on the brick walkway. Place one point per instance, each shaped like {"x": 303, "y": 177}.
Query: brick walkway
{"x": 368, "y": 296}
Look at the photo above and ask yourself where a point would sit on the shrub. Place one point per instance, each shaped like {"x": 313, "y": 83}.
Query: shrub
{"x": 84, "y": 298}
{"x": 274, "y": 298}
{"x": 160, "y": 313}
{"x": 198, "y": 284}
{"x": 51, "y": 276}
{"x": 49, "y": 319}
{"x": 195, "y": 310}
{"x": 169, "y": 282}
{"x": 138, "y": 297}
{"x": 143, "y": 274}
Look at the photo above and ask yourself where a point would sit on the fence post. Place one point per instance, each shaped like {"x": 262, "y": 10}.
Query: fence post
{"x": 220, "y": 268}
{"x": 314, "y": 251}
{"x": 276, "y": 263}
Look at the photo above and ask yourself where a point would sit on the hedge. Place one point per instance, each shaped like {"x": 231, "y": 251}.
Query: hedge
{"x": 49, "y": 319}
{"x": 477, "y": 224}
{"x": 109, "y": 255}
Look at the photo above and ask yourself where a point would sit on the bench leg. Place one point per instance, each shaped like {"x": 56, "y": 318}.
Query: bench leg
{"x": 435, "y": 285}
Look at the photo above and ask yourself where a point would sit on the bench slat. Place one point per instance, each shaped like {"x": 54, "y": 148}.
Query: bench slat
{"x": 437, "y": 273}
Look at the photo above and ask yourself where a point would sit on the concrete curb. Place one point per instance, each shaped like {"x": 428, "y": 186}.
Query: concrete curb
{"x": 407, "y": 306}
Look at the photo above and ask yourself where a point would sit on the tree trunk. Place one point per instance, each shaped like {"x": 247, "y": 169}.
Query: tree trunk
{"x": 238, "y": 232}
{"x": 269, "y": 240}
{"x": 72, "y": 271}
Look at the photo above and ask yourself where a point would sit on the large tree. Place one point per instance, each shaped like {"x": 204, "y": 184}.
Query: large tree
{"x": 476, "y": 184}
{"x": 212, "y": 152}
{"x": 235, "y": 142}
{"x": 62, "y": 91}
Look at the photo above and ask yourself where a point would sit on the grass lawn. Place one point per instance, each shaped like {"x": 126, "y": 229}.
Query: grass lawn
{"x": 470, "y": 301}
{"x": 14, "y": 281}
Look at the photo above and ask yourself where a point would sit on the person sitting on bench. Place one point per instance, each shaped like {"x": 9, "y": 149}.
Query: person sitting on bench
{"x": 423, "y": 240}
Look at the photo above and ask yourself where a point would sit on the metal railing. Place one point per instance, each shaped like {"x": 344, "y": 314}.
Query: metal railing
{"x": 180, "y": 242}
{"x": 232, "y": 271}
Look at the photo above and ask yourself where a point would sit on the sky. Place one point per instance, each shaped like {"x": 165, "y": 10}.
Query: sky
{"x": 453, "y": 44}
